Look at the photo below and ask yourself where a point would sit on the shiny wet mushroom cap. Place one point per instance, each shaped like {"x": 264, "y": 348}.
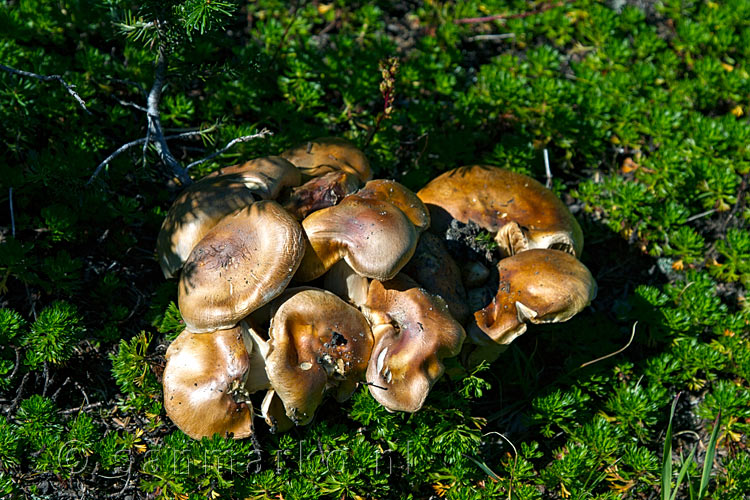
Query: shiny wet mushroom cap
{"x": 328, "y": 154}
{"x": 268, "y": 176}
{"x": 413, "y": 333}
{"x": 245, "y": 261}
{"x": 202, "y": 205}
{"x": 536, "y": 286}
{"x": 400, "y": 196}
{"x": 199, "y": 208}
{"x": 317, "y": 343}
{"x": 206, "y": 383}
{"x": 374, "y": 237}
{"x": 518, "y": 210}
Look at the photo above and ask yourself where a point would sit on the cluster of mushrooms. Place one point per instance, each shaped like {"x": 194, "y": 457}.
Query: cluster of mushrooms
{"x": 386, "y": 283}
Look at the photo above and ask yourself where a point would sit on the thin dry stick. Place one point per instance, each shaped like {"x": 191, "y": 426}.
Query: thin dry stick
{"x": 245, "y": 138}
{"x": 547, "y": 170}
{"x": 496, "y": 36}
{"x": 700, "y": 215}
{"x": 48, "y": 78}
{"x": 12, "y": 215}
{"x": 632, "y": 336}
{"x": 142, "y": 140}
{"x": 80, "y": 408}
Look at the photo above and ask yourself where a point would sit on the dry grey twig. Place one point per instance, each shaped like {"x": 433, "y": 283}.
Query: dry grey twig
{"x": 48, "y": 78}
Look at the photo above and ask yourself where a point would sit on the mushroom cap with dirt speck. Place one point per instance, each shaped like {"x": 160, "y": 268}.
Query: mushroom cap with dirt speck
{"x": 374, "y": 237}
{"x": 320, "y": 156}
{"x": 206, "y": 382}
{"x": 400, "y": 196}
{"x": 413, "y": 332}
{"x": 536, "y": 286}
{"x": 202, "y": 205}
{"x": 243, "y": 262}
{"x": 317, "y": 343}
{"x": 521, "y": 212}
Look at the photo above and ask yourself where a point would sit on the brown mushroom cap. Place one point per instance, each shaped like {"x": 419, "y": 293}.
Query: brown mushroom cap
{"x": 537, "y": 286}
{"x": 316, "y": 341}
{"x": 205, "y": 383}
{"x": 321, "y": 192}
{"x": 522, "y": 212}
{"x": 413, "y": 332}
{"x": 273, "y": 412}
{"x": 434, "y": 269}
{"x": 243, "y": 262}
{"x": 199, "y": 208}
{"x": 400, "y": 196}
{"x": 266, "y": 176}
{"x": 202, "y": 205}
{"x": 327, "y": 154}
{"x": 374, "y": 237}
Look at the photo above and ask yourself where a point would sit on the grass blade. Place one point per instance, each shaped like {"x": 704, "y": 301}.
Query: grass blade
{"x": 485, "y": 468}
{"x": 708, "y": 460}
{"x": 683, "y": 471}
{"x": 666, "y": 468}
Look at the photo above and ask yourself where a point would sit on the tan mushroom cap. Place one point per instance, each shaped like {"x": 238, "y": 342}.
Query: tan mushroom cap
{"x": 413, "y": 332}
{"x": 321, "y": 192}
{"x": 266, "y": 176}
{"x": 327, "y": 154}
{"x": 317, "y": 341}
{"x": 536, "y": 286}
{"x": 374, "y": 237}
{"x": 435, "y": 270}
{"x": 273, "y": 412}
{"x": 521, "y": 211}
{"x": 399, "y": 195}
{"x": 243, "y": 262}
{"x": 206, "y": 382}
{"x": 202, "y": 205}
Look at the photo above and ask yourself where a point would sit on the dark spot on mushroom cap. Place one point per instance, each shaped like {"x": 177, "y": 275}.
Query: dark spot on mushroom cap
{"x": 338, "y": 339}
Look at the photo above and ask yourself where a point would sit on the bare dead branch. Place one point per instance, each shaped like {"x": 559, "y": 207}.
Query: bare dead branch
{"x": 48, "y": 78}
{"x": 144, "y": 141}
{"x": 245, "y": 138}
{"x": 129, "y": 104}
{"x": 153, "y": 100}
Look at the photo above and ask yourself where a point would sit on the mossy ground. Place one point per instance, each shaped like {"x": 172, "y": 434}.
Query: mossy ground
{"x": 643, "y": 109}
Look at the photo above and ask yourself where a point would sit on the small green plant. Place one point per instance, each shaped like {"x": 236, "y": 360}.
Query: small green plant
{"x": 735, "y": 253}
{"x": 54, "y": 335}
{"x": 486, "y": 240}
{"x": 667, "y": 491}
